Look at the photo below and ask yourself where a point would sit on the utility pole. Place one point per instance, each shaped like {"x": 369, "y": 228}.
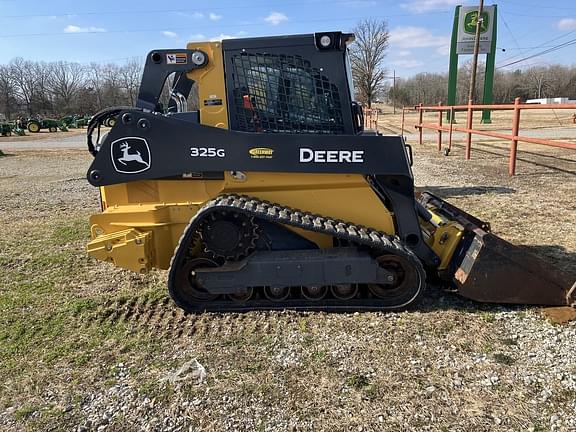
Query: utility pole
{"x": 393, "y": 77}
{"x": 394, "y": 89}
{"x": 475, "y": 56}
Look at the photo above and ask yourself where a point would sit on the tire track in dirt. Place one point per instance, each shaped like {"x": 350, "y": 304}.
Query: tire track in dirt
{"x": 162, "y": 318}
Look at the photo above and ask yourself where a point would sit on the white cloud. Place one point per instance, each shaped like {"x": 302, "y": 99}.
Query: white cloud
{"x": 358, "y": 3}
{"x": 567, "y": 24}
{"x": 214, "y": 17}
{"x": 407, "y": 63}
{"x": 276, "y": 18}
{"x": 404, "y": 53}
{"x": 196, "y": 37}
{"x": 221, "y": 36}
{"x": 228, "y": 36}
{"x": 76, "y": 29}
{"x": 420, "y": 6}
{"x": 416, "y": 37}
{"x": 170, "y": 34}
{"x": 196, "y": 15}
{"x": 443, "y": 50}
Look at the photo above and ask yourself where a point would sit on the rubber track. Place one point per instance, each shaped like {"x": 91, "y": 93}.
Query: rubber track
{"x": 380, "y": 242}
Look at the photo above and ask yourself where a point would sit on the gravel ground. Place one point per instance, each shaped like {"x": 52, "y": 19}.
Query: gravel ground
{"x": 43, "y": 142}
{"x": 87, "y": 347}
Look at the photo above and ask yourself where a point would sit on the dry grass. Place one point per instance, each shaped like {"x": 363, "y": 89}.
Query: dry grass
{"x": 531, "y": 121}
{"x": 80, "y": 339}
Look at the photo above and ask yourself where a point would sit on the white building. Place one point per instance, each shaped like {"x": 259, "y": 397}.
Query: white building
{"x": 549, "y": 101}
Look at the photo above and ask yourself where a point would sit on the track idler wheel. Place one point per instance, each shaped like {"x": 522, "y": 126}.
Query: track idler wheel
{"x": 344, "y": 291}
{"x": 186, "y": 289}
{"x": 408, "y": 284}
{"x": 242, "y": 297}
{"x": 314, "y": 292}
{"x": 277, "y": 293}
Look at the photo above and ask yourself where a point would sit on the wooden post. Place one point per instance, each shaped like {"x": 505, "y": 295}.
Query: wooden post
{"x": 472, "y": 90}
{"x": 402, "y": 122}
{"x": 440, "y": 125}
{"x": 450, "y": 134}
{"x": 421, "y": 112}
{"x": 469, "y": 126}
{"x": 514, "y": 144}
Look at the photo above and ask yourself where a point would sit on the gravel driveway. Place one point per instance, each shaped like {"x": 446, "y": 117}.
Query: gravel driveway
{"x": 49, "y": 143}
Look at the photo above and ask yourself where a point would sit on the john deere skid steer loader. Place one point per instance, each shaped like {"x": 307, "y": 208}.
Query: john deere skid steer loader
{"x": 271, "y": 195}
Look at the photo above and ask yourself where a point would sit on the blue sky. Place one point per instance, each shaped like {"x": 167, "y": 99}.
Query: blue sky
{"x": 112, "y": 31}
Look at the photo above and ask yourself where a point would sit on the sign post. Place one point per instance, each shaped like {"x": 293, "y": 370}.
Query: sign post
{"x": 462, "y": 43}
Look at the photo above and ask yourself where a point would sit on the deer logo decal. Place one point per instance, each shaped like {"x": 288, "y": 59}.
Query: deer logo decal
{"x": 130, "y": 155}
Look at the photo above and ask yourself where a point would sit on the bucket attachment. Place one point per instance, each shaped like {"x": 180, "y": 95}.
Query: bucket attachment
{"x": 486, "y": 268}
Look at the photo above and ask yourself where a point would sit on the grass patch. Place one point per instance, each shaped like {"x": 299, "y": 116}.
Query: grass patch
{"x": 358, "y": 381}
{"x": 509, "y": 342}
{"x": 488, "y": 348}
{"x": 72, "y": 231}
{"x": 487, "y": 316}
{"x": 25, "y": 412}
{"x": 504, "y": 359}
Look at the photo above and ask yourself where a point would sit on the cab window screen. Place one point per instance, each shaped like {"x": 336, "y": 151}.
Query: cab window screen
{"x": 282, "y": 93}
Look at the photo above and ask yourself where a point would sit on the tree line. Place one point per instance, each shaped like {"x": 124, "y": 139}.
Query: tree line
{"x": 531, "y": 83}
{"x": 372, "y": 76}
{"x": 54, "y": 89}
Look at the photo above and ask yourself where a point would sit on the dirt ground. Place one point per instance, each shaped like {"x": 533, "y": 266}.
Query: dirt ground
{"x": 42, "y": 135}
{"x": 85, "y": 346}
{"x": 553, "y": 123}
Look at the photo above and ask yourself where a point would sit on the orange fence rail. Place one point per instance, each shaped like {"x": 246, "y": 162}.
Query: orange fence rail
{"x": 514, "y": 138}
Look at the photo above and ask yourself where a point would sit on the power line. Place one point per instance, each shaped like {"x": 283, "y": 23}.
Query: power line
{"x": 188, "y": 28}
{"x": 197, "y": 10}
{"x": 142, "y": 12}
{"x": 549, "y": 50}
{"x": 539, "y": 6}
{"x": 542, "y": 45}
{"x": 535, "y": 16}
{"x": 510, "y": 31}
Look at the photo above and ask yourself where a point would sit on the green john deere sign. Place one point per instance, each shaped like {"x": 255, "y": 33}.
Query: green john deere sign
{"x": 462, "y": 43}
{"x": 467, "y": 20}
{"x": 471, "y": 21}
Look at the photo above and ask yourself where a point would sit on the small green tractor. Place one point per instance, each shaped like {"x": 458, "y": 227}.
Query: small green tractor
{"x": 5, "y": 129}
{"x": 75, "y": 121}
{"x": 36, "y": 125}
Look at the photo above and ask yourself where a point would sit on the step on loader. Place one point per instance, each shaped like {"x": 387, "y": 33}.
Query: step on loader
{"x": 270, "y": 195}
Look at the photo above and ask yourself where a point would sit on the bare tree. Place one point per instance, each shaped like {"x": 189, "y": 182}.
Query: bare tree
{"x": 367, "y": 56}
{"x": 24, "y": 77}
{"x": 95, "y": 81}
{"x": 8, "y": 101}
{"x": 65, "y": 80}
{"x": 130, "y": 75}
{"x": 538, "y": 82}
